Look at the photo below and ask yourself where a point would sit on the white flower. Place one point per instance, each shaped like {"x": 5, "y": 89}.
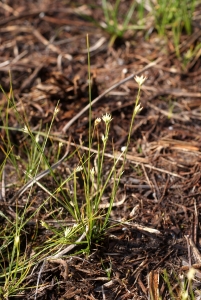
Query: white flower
{"x": 107, "y": 118}
{"x": 123, "y": 149}
{"x": 191, "y": 274}
{"x": 37, "y": 138}
{"x": 92, "y": 171}
{"x": 97, "y": 121}
{"x": 140, "y": 79}
{"x": 17, "y": 240}
{"x": 184, "y": 295}
{"x": 78, "y": 169}
{"x": 43, "y": 224}
{"x": 66, "y": 232}
{"x": 56, "y": 110}
{"x": 138, "y": 108}
{"x": 104, "y": 139}
{"x": 25, "y": 129}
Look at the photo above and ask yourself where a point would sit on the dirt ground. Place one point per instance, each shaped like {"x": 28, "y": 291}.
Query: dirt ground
{"x": 43, "y": 46}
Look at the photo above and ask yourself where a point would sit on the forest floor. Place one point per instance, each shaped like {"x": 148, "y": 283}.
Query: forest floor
{"x": 155, "y": 218}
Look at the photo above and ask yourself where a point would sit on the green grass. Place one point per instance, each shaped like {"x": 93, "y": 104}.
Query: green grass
{"x": 62, "y": 201}
{"x": 184, "y": 290}
{"x": 117, "y": 22}
{"x": 112, "y": 23}
{"x": 170, "y": 18}
{"x": 173, "y": 16}
{"x": 87, "y": 220}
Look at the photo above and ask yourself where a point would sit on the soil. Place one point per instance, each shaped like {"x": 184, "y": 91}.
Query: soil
{"x": 155, "y": 220}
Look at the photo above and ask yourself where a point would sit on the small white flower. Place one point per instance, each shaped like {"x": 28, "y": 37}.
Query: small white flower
{"x": 25, "y": 129}
{"x": 92, "y": 171}
{"x": 140, "y": 79}
{"x": 104, "y": 139}
{"x": 138, "y": 108}
{"x": 17, "y": 240}
{"x": 66, "y": 232}
{"x": 184, "y": 295}
{"x": 56, "y": 110}
{"x": 28, "y": 173}
{"x": 191, "y": 274}
{"x": 123, "y": 149}
{"x": 78, "y": 169}
{"x": 97, "y": 121}
{"x": 60, "y": 144}
{"x": 107, "y": 118}
{"x": 89, "y": 81}
{"x": 37, "y": 138}
{"x": 43, "y": 224}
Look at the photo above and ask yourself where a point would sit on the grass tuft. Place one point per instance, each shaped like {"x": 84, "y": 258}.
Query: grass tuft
{"x": 22, "y": 251}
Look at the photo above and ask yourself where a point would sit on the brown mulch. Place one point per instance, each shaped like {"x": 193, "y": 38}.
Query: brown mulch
{"x": 157, "y": 226}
